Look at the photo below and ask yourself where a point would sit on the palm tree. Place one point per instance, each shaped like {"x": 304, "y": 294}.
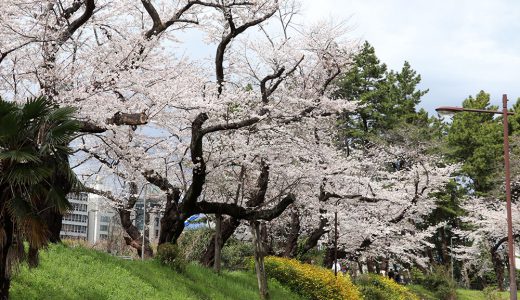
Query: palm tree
{"x": 35, "y": 176}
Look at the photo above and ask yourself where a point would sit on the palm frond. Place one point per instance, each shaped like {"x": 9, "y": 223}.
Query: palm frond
{"x": 57, "y": 200}
{"x": 20, "y": 156}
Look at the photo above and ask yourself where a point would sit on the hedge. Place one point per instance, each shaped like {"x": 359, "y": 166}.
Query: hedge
{"x": 377, "y": 287}
{"x": 311, "y": 282}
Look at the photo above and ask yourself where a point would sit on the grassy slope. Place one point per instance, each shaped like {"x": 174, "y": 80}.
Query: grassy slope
{"x": 78, "y": 273}
{"x": 477, "y": 295}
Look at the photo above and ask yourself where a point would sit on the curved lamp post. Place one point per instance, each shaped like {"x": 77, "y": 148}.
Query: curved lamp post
{"x": 510, "y": 242}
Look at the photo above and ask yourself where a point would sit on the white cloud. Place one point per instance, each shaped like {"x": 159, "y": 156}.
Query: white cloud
{"x": 458, "y": 47}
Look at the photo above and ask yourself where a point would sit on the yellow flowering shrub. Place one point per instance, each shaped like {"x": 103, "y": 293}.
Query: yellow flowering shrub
{"x": 311, "y": 281}
{"x": 377, "y": 287}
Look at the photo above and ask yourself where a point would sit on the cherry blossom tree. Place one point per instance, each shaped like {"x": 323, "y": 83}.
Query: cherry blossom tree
{"x": 485, "y": 247}
{"x": 148, "y": 107}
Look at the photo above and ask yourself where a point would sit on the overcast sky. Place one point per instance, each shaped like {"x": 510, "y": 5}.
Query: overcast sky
{"x": 459, "y": 47}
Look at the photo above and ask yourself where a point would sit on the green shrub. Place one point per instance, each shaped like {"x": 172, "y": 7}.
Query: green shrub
{"x": 236, "y": 254}
{"x": 491, "y": 293}
{"x": 312, "y": 282}
{"x": 377, "y": 287}
{"x": 440, "y": 282}
{"x": 168, "y": 254}
{"x": 193, "y": 242}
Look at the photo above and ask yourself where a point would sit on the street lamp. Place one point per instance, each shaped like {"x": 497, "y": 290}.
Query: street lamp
{"x": 511, "y": 252}
{"x": 336, "y": 239}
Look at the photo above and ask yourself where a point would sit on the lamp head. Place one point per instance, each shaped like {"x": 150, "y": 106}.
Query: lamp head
{"x": 448, "y": 110}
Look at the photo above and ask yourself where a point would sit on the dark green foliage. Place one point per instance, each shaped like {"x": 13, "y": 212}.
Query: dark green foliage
{"x": 35, "y": 174}
{"x": 236, "y": 254}
{"x": 476, "y": 140}
{"x": 387, "y": 98}
{"x": 169, "y": 254}
{"x": 439, "y": 282}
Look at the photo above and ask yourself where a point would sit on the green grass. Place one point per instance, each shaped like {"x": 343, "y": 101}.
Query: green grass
{"x": 79, "y": 273}
{"x": 422, "y": 292}
{"x": 463, "y": 294}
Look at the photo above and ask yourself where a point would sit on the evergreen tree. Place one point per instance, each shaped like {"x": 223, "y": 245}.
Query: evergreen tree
{"x": 476, "y": 140}
{"x": 387, "y": 98}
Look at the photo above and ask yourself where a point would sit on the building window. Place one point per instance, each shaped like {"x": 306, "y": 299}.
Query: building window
{"x": 105, "y": 219}
{"x": 103, "y": 228}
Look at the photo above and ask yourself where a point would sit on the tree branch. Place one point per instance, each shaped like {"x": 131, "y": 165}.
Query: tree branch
{"x": 240, "y": 212}
{"x": 76, "y": 24}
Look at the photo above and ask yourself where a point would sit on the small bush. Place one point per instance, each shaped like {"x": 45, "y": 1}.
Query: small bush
{"x": 236, "y": 254}
{"x": 311, "y": 281}
{"x": 377, "y": 287}
{"x": 193, "y": 242}
{"x": 168, "y": 254}
{"x": 439, "y": 282}
{"x": 491, "y": 293}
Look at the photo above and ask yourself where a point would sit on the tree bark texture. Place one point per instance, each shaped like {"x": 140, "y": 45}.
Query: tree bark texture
{"x": 498, "y": 266}
{"x": 291, "y": 247}
{"x": 258, "y": 231}
{"x": 315, "y": 236}
{"x": 5, "y": 280}
{"x": 218, "y": 242}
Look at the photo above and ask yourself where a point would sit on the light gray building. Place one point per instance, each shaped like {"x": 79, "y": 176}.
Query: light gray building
{"x": 88, "y": 219}
{"x": 75, "y": 222}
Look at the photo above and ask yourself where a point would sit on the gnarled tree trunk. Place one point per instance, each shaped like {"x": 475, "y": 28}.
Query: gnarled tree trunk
{"x": 315, "y": 236}
{"x": 291, "y": 247}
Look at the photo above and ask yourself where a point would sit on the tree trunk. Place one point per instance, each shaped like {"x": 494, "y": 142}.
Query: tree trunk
{"x": 258, "y": 232}
{"x": 370, "y": 265}
{"x": 315, "y": 236}
{"x": 5, "y": 280}
{"x": 360, "y": 266}
{"x": 229, "y": 225}
{"x": 218, "y": 242}
{"x": 444, "y": 247}
{"x": 291, "y": 247}
{"x": 134, "y": 238}
{"x": 33, "y": 258}
{"x": 498, "y": 266}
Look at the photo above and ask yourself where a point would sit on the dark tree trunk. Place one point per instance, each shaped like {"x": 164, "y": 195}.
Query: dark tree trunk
{"x": 360, "y": 266}
{"x": 498, "y": 263}
{"x": 498, "y": 266}
{"x": 370, "y": 265}
{"x": 385, "y": 265}
{"x": 171, "y": 229}
{"x": 444, "y": 247}
{"x": 291, "y": 247}
{"x": 5, "y": 280}
{"x": 315, "y": 236}
{"x": 328, "y": 260}
{"x": 229, "y": 225}
{"x": 33, "y": 258}
{"x": 218, "y": 242}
